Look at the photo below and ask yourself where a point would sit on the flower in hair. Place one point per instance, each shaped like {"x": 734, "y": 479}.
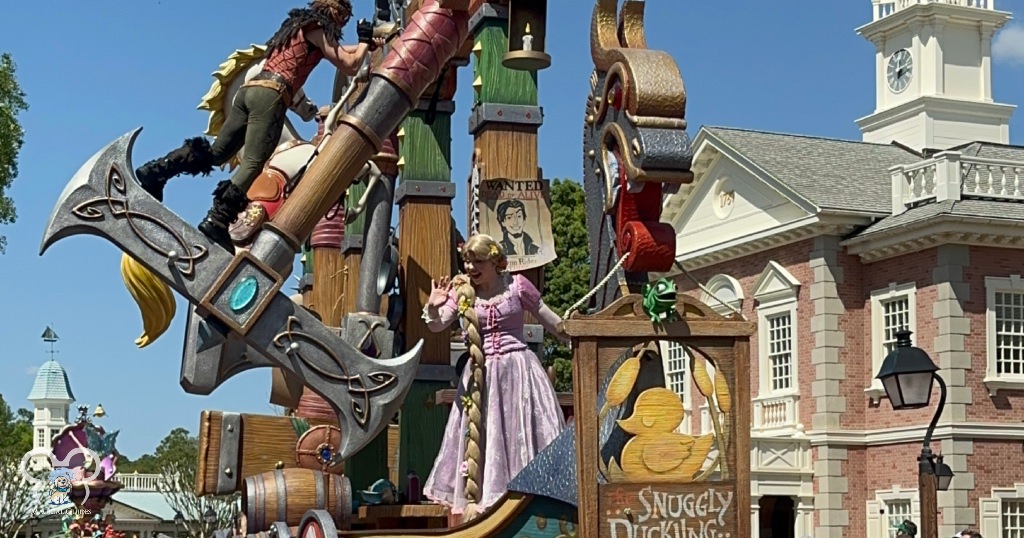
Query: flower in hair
{"x": 494, "y": 250}
{"x": 463, "y": 305}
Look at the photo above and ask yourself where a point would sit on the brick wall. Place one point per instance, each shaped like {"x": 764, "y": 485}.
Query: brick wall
{"x": 747, "y": 270}
{"x": 1007, "y": 406}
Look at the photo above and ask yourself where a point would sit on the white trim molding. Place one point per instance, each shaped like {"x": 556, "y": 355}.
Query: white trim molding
{"x": 878, "y": 300}
{"x": 670, "y": 353}
{"x": 776, "y": 292}
{"x": 991, "y": 431}
{"x": 991, "y": 509}
{"x": 878, "y": 517}
{"x": 723, "y": 288}
{"x": 994, "y": 381}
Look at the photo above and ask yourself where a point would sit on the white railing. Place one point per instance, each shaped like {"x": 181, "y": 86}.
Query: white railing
{"x": 775, "y": 412}
{"x": 950, "y": 175}
{"x": 138, "y": 482}
{"x": 884, "y": 8}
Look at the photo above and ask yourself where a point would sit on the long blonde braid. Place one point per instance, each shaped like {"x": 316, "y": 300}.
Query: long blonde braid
{"x": 477, "y": 247}
{"x": 474, "y": 406}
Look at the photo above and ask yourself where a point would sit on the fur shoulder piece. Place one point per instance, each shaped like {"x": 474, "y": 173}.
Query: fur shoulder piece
{"x": 301, "y": 18}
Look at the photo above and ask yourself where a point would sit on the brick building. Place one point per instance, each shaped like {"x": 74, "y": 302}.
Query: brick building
{"x": 833, "y": 245}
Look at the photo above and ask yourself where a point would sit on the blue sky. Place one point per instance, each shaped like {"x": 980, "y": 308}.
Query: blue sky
{"x": 96, "y": 70}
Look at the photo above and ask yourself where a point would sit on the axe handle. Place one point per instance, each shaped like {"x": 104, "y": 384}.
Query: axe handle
{"x": 430, "y": 41}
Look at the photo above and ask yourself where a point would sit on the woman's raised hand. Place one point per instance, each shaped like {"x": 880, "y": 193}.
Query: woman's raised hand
{"x": 439, "y": 292}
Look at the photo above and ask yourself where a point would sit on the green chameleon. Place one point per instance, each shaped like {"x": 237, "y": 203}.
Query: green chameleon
{"x": 660, "y": 300}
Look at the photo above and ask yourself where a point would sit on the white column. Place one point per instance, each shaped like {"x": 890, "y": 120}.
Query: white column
{"x": 985, "y": 33}
{"x": 804, "y": 525}
{"x": 755, "y": 518}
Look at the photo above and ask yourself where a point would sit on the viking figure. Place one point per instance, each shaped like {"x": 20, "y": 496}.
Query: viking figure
{"x": 258, "y": 111}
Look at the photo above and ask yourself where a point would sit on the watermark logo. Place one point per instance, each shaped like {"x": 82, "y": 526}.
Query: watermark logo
{"x": 57, "y": 484}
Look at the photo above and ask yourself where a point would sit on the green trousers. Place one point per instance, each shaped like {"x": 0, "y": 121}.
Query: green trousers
{"x": 256, "y": 119}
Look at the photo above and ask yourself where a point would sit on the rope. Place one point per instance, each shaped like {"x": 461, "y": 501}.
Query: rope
{"x": 705, "y": 290}
{"x": 600, "y": 285}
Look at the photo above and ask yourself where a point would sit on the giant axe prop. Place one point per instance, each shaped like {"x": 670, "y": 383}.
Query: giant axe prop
{"x": 239, "y": 297}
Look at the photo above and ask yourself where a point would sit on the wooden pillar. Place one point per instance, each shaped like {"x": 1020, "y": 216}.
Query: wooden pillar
{"x": 504, "y": 121}
{"x": 425, "y": 230}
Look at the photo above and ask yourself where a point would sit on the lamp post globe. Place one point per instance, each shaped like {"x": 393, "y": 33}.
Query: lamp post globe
{"x": 179, "y": 519}
{"x": 943, "y": 476}
{"x": 209, "y": 516}
{"x": 907, "y": 373}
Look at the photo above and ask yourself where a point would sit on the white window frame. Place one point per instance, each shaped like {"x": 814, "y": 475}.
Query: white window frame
{"x": 723, "y": 282}
{"x": 878, "y": 509}
{"x": 666, "y": 349}
{"x": 993, "y": 381}
{"x": 991, "y": 509}
{"x": 776, "y": 293}
{"x": 894, "y": 292}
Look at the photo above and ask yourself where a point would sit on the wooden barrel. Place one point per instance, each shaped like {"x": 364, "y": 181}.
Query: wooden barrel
{"x": 285, "y": 495}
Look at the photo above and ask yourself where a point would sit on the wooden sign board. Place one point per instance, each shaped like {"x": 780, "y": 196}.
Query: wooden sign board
{"x": 705, "y": 510}
{"x": 646, "y": 466}
{"x": 517, "y": 213}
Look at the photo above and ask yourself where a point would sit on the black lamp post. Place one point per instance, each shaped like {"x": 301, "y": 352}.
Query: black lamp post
{"x": 210, "y": 518}
{"x": 179, "y": 520}
{"x": 907, "y": 374}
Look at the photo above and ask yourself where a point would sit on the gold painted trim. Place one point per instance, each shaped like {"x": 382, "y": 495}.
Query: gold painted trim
{"x": 363, "y": 129}
{"x": 207, "y": 301}
{"x": 604, "y": 34}
{"x": 632, "y": 19}
{"x": 526, "y": 60}
{"x": 500, "y": 516}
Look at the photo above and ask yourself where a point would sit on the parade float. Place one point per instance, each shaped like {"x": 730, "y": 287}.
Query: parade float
{"x": 351, "y": 352}
{"x": 87, "y": 471}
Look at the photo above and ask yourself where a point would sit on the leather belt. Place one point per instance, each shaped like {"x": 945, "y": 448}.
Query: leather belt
{"x": 274, "y": 81}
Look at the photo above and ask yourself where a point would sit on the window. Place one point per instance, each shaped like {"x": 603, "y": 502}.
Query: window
{"x": 892, "y": 309}
{"x": 40, "y": 438}
{"x": 780, "y": 348}
{"x": 1002, "y": 514}
{"x": 723, "y": 294}
{"x": 776, "y": 294}
{"x": 676, "y": 363}
{"x": 889, "y": 508}
{"x": 1013, "y": 518}
{"x": 896, "y": 511}
{"x": 1004, "y": 299}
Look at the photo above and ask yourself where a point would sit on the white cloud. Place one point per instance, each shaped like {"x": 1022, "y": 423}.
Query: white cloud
{"x": 1008, "y": 45}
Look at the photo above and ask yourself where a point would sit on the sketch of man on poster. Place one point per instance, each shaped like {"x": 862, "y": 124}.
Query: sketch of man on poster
{"x": 512, "y": 220}
{"x": 517, "y": 214}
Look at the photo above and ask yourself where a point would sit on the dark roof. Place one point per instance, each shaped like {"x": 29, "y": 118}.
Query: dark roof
{"x": 979, "y": 209}
{"x": 831, "y": 173}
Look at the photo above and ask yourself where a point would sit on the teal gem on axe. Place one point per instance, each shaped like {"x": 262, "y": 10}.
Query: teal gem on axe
{"x": 244, "y": 294}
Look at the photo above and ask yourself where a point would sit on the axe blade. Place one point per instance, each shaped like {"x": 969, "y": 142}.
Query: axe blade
{"x": 104, "y": 199}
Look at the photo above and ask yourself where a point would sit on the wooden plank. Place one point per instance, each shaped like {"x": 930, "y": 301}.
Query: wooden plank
{"x": 266, "y": 443}
{"x": 401, "y": 511}
{"x": 425, "y": 250}
{"x": 618, "y": 328}
{"x": 641, "y": 509}
{"x": 585, "y": 380}
{"x": 447, "y": 397}
{"x": 507, "y": 151}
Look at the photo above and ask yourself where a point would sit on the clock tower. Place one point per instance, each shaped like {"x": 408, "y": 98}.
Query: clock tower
{"x": 933, "y": 74}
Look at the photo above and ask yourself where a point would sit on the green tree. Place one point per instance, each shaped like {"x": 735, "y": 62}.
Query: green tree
{"x": 19, "y": 501}
{"x": 15, "y": 429}
{"x": 12, "y": 136}
{"x": 566, "y": 280}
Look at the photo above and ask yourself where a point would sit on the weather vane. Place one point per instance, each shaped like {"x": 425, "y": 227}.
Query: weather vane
{"x": 50, "y": 336}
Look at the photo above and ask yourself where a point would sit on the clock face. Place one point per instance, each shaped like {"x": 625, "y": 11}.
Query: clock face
{"x": 900, "y": 70}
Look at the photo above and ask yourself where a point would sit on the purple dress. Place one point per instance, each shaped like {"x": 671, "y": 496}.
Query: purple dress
{"x": 521, "y": 412}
